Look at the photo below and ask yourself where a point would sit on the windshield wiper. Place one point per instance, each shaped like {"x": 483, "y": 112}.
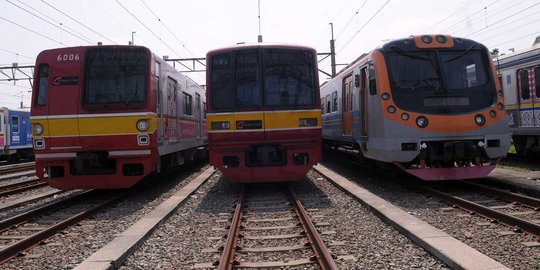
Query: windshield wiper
{"x": 462, "y": 54}
{"x": 132, "y": 93}
{"x": 408, "y": 54}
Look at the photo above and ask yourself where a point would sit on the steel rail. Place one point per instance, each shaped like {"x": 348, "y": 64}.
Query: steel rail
{"x": 323, "y": 256}
{"x": 505, "y": 195}
{"x": 10, "y": 251}
{"x": 512, "y": 221}
{"x": 227, "y": 258}
{"x": 21, "y": 186}
{"x": 12, "y": 168}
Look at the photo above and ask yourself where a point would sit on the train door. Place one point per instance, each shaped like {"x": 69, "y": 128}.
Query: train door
{"x": 198, "y": 114}
{"x": 529, "y": 101}
{"x": 346, "y": 108}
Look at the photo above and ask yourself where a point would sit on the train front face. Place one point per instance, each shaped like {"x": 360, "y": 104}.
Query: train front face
{"x": 92, "y": 123}
{"x": 264, "y": 118}
{"x": 442, "y": 107}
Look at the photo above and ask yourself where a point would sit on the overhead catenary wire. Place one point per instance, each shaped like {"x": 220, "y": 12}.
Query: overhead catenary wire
{"x": 357, "y": 32}
{"x": 54, "y": 25}
{"x": 468, "y": 17}
{"x": 28, "y": 29}
{"x": 17, "y": 54}
{"x": 168, "y": 29}
{"x": 352, "y": 18}
{"x": 147, "y": 28}
{"x": 505, "y": 18}
{"x": 56, "y": 21}
{"x": 75, "y": 20}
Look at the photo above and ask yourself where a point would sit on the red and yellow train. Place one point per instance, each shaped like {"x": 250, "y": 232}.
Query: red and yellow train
{"x": 264, "y": 117}
{"x": 107, "y": 116}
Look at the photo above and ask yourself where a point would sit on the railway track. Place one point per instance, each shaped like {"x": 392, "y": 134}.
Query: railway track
{"x": 26, "y": 230}
{"x": 272, "y": 230}
{"x": 20, "y": 167}
{"x": 521, "y": 213}
{"x": 21, "y": 187}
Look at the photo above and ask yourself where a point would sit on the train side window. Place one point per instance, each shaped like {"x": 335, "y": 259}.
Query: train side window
{"x": 43, "y": 82}
{"x": 15, "y": 124}
{"x": 537, "y": 81}
{"x": 322, "y": 105}
{"x": 327, "y": 103}
{"x": 188, "y": 104}
{"x": 158, "y": 74}
{"x": 334, "y": 101}
{"x": 204, "y": 110}
{"x": 524, "y": 84}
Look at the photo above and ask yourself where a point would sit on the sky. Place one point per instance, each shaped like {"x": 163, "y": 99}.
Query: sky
{"x": 190, "y": 28}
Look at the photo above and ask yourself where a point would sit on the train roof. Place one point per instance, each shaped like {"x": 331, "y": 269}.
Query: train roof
{"x": 242, "y": 46}
{"x": 524, "y": 56}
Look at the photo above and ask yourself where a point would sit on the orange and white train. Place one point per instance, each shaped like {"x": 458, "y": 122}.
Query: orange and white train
{"x": 107, "y": 116}
{"x": 429, "y": 104}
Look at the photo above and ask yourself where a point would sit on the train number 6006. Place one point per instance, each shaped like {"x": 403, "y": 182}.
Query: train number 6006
{"x": 68, "y": 57}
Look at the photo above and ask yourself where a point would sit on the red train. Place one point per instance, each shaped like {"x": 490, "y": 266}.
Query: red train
{"x": 107, "y": 116}
{"x": 264, "y": 117}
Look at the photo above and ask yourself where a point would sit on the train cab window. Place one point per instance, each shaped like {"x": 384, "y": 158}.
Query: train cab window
{"x": 248, "y": 79}
{"x": 116, "y": 77}
{"x": 188, "y": 104}
{"x": 43, "y": 83}
{"x": 221, "y": 83}
{"x": 289, "y": 78}
{"x": 537, "y": 81}
{"x": 334, "y": 101}
{"x": 524, "y": 84}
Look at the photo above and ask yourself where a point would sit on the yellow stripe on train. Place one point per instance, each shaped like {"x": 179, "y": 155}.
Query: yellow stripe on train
{"x": 88, "y": 126}
{"x": 272, "y": 119}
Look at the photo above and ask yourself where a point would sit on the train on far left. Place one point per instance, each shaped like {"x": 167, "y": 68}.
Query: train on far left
{"x": 105, "y": 117}
{"x": 15, "y": 135}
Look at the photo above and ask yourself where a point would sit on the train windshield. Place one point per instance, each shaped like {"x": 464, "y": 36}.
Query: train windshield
{"x": 116, "y": 76}
{"x": 440, "y": 82}
{"x": 275, "y": 78}
{"x": 288, "y": 77}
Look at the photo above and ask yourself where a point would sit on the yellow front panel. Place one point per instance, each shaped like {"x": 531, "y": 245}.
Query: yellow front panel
{"x": 63, "y": 127}
{"x": 285, "y": 120}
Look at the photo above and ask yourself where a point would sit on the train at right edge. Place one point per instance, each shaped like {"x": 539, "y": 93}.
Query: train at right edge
{"x": 519, "y": 74}
{"x": 430, "y": 105}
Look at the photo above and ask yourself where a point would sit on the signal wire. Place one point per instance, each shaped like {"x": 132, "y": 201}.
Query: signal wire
{"x": 363, "y": 26}
{"x": 83, "y": 25}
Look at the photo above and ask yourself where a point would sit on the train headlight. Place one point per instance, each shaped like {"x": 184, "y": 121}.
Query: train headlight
{"x": 493, "y": 114}
{"x": 307, "y": 122}
{"x": 385, "y": 96}
{"x": 500, "y": 106}
{"x": 501, "y": 94}
{"x": 479, "y": 119}
{"x": 391, "y": 109}
{"x": 142, "y": 125}
{"x": 427, "y": 39}
{"x": 441, "y": 38}
{"x": 38, "y": 129}
{"x": 221, "y": 125}
{"x": 422, "y": 121}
